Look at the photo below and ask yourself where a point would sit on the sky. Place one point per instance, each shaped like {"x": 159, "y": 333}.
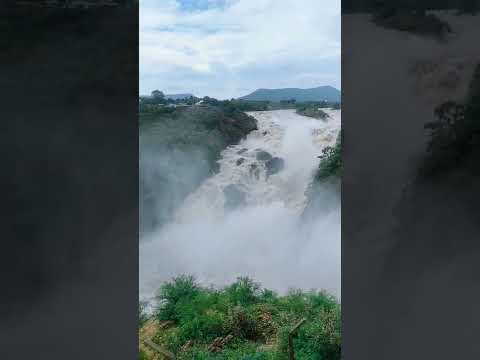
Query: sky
{"x": 229, "y": 48}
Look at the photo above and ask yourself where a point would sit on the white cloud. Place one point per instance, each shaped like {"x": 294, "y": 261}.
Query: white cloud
{"x": 228, "y": 48}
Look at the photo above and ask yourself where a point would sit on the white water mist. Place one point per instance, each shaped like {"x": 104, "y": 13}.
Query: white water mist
{"x": 265, "y": 237}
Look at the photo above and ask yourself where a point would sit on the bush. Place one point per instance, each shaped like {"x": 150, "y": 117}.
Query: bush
{"x": 142, "y": 355}
{"x": 182, "y": 288}
{"x": 244, "y": 291}
{"x": 331, "y": 161}
{"x": 320, "y": 336}
{"x": 204, "y": 326}
{"x": 238, "y": 321}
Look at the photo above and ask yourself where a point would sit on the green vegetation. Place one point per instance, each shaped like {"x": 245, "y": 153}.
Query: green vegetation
{"x": 180, "y": 146}
{"x": 455, "y": 134}
{"x": 142, "y": 355}
{"x": 314, "y": 108}
{"x": 313, "y": 112}
{"x": 212, "y": 126}
{"x": 244, "y": 321}
{"x": 158, "y": 102}
{"x": 331, "y": 161}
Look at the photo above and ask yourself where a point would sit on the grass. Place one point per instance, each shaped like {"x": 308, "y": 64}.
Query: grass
{"x": 244, "y": 321}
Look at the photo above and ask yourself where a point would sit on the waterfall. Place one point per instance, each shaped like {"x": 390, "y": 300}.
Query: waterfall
{"x": 245, "y": 219}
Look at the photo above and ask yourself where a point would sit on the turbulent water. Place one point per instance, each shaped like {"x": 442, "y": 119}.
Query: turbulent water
{"x": 263, "y": 234}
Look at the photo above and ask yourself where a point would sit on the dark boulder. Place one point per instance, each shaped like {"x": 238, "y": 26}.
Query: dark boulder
{"x": 263, "y": 156}
{"x": 255, "y": 171}
{"x": 274, "y": 165}
{"x": 240, "y": 161}
{"x": 234, "y": 197}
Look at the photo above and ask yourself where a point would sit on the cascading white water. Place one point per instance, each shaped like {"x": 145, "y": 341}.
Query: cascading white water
{"x": 262, "y": 236}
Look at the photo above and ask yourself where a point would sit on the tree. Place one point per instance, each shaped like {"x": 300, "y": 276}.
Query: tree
{"x": 157, "y": 94}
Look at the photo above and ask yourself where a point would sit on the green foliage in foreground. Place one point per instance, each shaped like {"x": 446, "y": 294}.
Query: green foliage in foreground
{"x": 255, "y": 320}
{"x": 331, "y": 161}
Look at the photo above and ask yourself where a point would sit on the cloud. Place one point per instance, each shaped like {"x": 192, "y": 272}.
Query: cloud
{"x": 227, "y": 48}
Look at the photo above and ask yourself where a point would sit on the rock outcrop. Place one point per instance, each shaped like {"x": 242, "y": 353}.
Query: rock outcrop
{"x": 178, "y": 150}
{"x": 274, "y": 165}
{"x": 263, "y": 155}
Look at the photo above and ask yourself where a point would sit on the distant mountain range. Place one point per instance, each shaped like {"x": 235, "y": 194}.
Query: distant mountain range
{"x": 321, "y": 93}
{"x": 177, "y": 96}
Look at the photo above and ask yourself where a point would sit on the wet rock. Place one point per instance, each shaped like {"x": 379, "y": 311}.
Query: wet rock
{"x": 274, "y": 165}
{"x": 262, "y": 155}
{"x": 234, "y": 197}
{"x": 241, "y": 151}
{"x": 240, "y": 161}
{"x": 255, "y": 171}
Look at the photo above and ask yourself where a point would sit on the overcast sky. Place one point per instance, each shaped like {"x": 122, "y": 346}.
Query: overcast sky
{"x": 229, "y": 48}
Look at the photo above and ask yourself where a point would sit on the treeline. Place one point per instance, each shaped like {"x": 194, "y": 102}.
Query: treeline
{"x": 157, "y": 102}
{"x": 241, "y": 321}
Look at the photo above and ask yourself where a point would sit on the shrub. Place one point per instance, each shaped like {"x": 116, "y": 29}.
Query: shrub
{"x": 331, "y": 161}
{"x": 245, "y": 322}
{"x": 182, "y": 288}
{"x": 320, "y": 336}
{"x": 142, "y": 355}
{"x": 204, "y": 326}
{"x": 244, "y": 291}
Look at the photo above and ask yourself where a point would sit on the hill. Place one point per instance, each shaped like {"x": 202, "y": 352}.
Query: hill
{"x": 321, "y": 93}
